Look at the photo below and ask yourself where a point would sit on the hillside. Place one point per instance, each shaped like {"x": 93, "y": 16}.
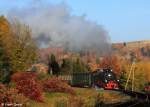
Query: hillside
{"x": 139, "y": 48}
{"x": 136, "y": 49}
{"x": 131, "y": 45}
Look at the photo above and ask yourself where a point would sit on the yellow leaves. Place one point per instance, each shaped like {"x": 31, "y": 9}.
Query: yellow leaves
{"x": 93, "y": 66}
{"x": 18, "y": 44}
{"x": 144, "y": 67}
{"x": 5, "y": 34}
{"x": 4, "y": 25}
{"x": 112, "y": 62}
{"x": 141, "y": 74}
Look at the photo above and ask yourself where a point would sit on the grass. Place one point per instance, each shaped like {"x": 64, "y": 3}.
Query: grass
{"x": 82, "y": 95}
{"x": 85, "y": 97}
{"x": 111, "y": 97}
{"x": 49, "y": 101}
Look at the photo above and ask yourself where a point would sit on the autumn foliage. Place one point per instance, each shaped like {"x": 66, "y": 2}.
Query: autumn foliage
{"x": 27, "y": 84}
{"x": 55, "y": 84}
{"x": 111, "y": 62}
{"x": 11, "y": 96}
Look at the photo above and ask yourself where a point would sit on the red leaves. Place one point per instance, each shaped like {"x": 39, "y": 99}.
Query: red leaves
{"x": 2, "y": 86}
{"x": 55, "y": 84}
{"x": 31, "y": 89}
{"x": 23, "y": 76}
{"x": 6, "y": 95}
{"x": 27, "y": 84}
{"x": 11, "y": 96}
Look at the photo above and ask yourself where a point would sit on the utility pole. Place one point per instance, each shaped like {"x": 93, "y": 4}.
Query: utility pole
{"x": 131, "y": 72}
{"x": 133, "y": 76}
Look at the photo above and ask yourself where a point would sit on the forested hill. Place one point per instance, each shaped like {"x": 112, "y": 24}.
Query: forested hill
{"x": 134, "y": 44}
{"x": 139, "y": 49}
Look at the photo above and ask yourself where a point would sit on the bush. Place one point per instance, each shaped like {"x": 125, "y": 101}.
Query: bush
{"x": 41, "y": 76}
{"x": 27, "y": 84}
{"x": 55, "y": 84}
{"x": 11, "y": 96}
{"x": 21, "y": 76}
{"x": 2, "y": 86}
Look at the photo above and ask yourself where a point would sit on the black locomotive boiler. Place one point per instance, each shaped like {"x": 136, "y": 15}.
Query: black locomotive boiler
{"x": 103, "y": 78}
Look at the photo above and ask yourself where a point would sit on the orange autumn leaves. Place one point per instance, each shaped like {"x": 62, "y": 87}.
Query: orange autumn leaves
{"x": 112, "y": 62}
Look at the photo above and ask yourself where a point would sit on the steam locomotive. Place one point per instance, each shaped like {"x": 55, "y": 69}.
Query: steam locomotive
{"x": 103, "y": 78}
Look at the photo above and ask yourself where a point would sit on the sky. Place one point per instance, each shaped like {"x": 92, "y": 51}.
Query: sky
{"x": 125, "y": 20}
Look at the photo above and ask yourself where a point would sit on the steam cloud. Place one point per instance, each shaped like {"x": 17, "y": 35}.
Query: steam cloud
{"x": 55, "y": 26}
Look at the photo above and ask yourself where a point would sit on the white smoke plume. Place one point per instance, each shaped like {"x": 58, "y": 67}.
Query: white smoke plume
{"x": 55, "y": 26}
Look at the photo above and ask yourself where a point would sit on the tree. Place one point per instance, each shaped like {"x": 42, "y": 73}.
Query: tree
{"x": 111, "y": 62}
{"x": 145, "y": 51}
{"x": 78, "y": 66}
{"x": 18, "y": 49}
{"x": 53, "y": 64}
{"x": 4, "y": 56}
{"x": 24, "y": 51}
{"x": 66, "y": 66}
{"x": 123, "y": 76}
{"x": 140, "y": 76}
{"x": 4, "y": 67}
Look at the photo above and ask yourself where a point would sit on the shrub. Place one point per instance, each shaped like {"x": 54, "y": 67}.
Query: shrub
{"x": 20, "y": 76}
{"x": 2, "y": 94}
{"x": 11, "y": 96}
{"x": 31, "y": 89}
{"x": 27, "y": 84}
{"x": 55, "y": 84}
{"x": 2, "y": 86}
{"x": 41, "y": 76}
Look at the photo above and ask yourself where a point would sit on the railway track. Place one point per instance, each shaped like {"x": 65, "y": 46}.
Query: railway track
{"x": 136, "y": 95}
{"x": 138, "y": 100}
{"x": 132, "y": 103}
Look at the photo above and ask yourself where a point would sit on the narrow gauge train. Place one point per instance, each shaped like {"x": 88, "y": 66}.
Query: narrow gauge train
{"x": 106, "y": 79}
{"x": 103, "y": 78}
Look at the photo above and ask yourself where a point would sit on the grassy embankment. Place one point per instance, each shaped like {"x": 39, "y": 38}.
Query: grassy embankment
{"x": 84, "y": 98}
